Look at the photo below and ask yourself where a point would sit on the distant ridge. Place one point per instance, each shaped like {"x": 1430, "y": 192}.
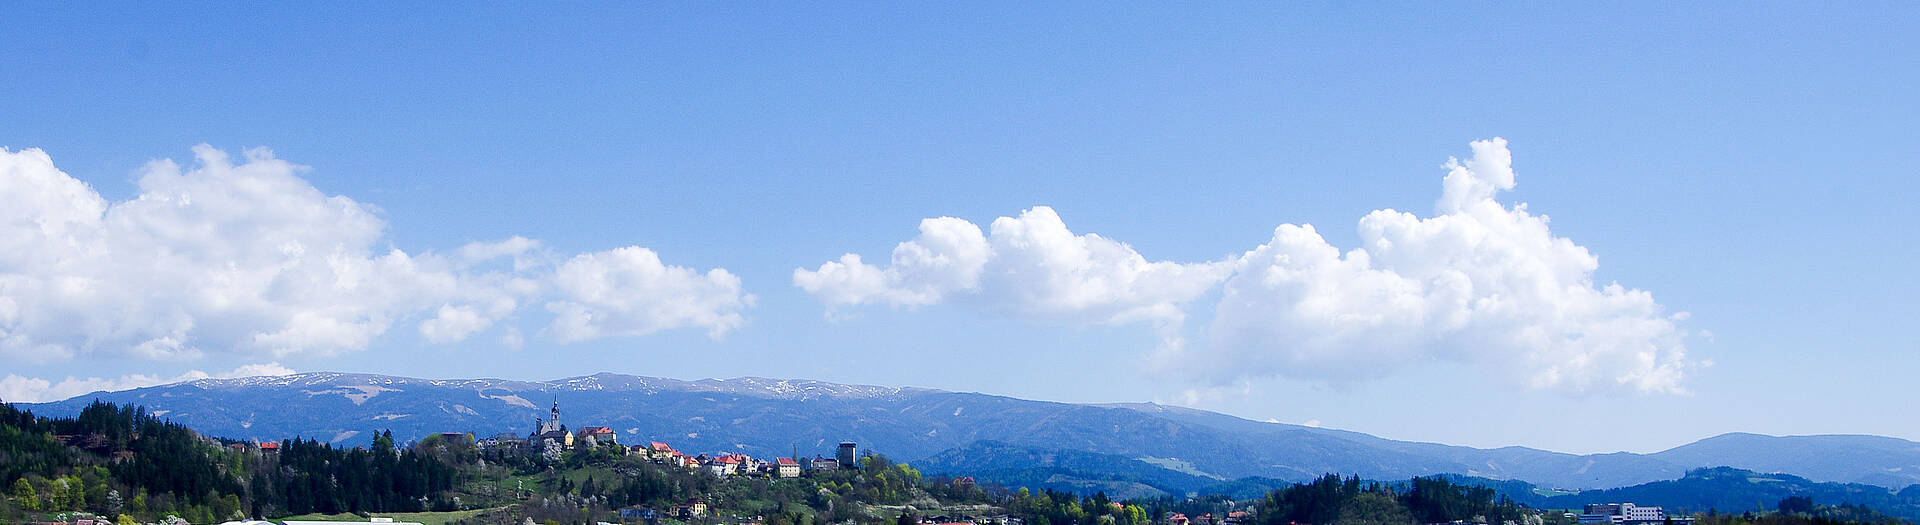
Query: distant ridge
{"x": 768, "y": 417}
{"x": 1728, "y": 489}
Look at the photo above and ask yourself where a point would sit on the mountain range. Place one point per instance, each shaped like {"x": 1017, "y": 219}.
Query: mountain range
{"x": 1111, "y": 446}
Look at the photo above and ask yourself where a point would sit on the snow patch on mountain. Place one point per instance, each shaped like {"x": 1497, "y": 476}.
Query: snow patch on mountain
{"x": 511, "y": 399}
{"x": 358, "y": 394}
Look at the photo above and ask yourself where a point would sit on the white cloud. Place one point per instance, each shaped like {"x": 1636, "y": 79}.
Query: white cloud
{"x": 525, "y": 253}
{"x": 1046, "y": 270}
{"x": 247, "y": 257}
{"x": 628, "y": 291}
{"x": 510, "y": 247}
{"x": 1479, "y": 282}
{"x": 512, "y": 338}
{"x": 260, "y": 369}
{"x": 946, "y": 258}
{"x": 1211, "y": 394}
{"x": 1030, "y": 265}
{"x": 453, "y": 324}
{"x": 16, "y": 389}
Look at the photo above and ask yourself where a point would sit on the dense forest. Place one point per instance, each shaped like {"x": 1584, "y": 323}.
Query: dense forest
{"x": 1349, "y": 501}
{"x": 124, "y": 464}
{"x": 112, "y": 461}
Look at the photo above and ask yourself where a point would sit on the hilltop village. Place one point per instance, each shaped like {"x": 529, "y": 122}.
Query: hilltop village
{"x": 551, "y": 439}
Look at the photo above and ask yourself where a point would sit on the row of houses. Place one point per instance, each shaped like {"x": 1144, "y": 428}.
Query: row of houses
{"x": 1237, "y": 517}
{"x": 733, "y": 464}
{"x": 552, "y": 439}
{"x": 697, "y": 508}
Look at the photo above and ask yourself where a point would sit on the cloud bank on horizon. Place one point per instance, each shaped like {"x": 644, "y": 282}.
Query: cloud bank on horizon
{"x": 14, "y": 388}
{"x": 252, "y": 260}
{"x": 1478, "y": 282}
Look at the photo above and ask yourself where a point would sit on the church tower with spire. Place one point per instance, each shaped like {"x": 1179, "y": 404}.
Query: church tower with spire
{"x": 552, "y": 438}
{"x": 551, "y": 424}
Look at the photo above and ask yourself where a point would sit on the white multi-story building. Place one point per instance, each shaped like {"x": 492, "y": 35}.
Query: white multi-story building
{"x": 1635, "y": 513}
{"x": 1626, "y": 513}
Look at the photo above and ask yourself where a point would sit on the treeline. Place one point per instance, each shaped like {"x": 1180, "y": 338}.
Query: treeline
{"x": 1329, "y": 500}
{"x": 1049, "y": 507}
{"x": 112, "y": 460}
{"x": 1801, "y": 510}
{"x": 1332, "y": 500}
{"x": 122, "y": 461}
{"x": 310, "y": 476}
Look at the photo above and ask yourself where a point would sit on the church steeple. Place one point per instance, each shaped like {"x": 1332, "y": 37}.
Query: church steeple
{"x": 552, "y": 423}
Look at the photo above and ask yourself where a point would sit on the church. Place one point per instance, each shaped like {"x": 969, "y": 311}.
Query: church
{"x": 551, "y": 437}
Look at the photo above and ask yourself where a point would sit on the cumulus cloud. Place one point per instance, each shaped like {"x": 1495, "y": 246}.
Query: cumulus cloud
{"x": 628, "y": 291}
{"x": 16, "y": 389}
{"x": 1477, "y": 282}
{"x": 1030, "y": 265}
{"x": 454, "y": 324}
{"x": 246, "y": 256}
{"x": 946, "y": 258}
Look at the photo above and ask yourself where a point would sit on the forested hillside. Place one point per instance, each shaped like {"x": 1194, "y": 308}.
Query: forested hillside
{"x": 113, "y": 460}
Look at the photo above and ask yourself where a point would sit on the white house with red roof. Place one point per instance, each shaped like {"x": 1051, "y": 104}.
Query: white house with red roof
{"x": 786, "y": 468}
{"x": 596, "y": 436}
{"x": 724, "y": 465}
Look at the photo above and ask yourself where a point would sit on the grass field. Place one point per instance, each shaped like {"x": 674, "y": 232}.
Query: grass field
{"x": 423, "y": 518}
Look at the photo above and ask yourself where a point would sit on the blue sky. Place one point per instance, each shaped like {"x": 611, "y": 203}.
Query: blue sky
{"x": 1752, "y": 169}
